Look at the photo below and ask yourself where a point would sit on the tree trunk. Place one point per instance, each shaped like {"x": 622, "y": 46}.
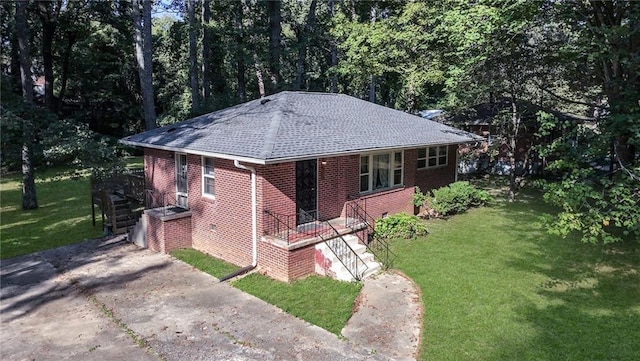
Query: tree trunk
{"x": 29, "y": 198}
{"x": 513, "y": 135}
{"x": 372, "y": 78}
{"x": 240, "y": 65}
{"x": 144, "y": 52}
{"x": 372, "y": 88}
{"x": 620, "y": 79}
{"x": 259, "y": 77}
{"x": 206, "y": 51}
{"x": 303, "y": 45}
{"x": 193, "y": 57}
{"x": 64, "y": 76}
{"x": 334, "y": 52}
{"x": 275, "y": 30}
{"x": 49, "y": 19}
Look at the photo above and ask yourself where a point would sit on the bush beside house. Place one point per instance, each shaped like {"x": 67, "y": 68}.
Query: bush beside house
{"x": 451, "y": 199}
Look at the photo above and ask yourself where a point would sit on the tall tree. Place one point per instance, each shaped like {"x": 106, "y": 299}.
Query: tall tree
{"x": 49, "y": 12}
{"x": 29, "y": 198}
{"x": 238, "y": 10}
{"x": 193, "y": 55}
{"x": 141, "y": 12}
{"x": 206, "y": 50}
{"x": 303, "y": 44}
{"x": 600, "y": 207}
{"x": 275, "y": 38}
{"x": 334, "y": 51}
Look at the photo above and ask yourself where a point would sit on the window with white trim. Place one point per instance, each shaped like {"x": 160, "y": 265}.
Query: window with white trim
{"x": 380, "y": 171}
{"x": 208, "y": 177}
{"x": 432, "y": 157}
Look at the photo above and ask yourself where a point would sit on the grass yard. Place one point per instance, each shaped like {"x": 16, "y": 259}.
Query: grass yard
{"x": 496, "y": 286}
{"x": 63, "y": 216}
{"x": 205, "y": 263}
{"x": 319, "y": 300}
{"x": 300, "y": 298}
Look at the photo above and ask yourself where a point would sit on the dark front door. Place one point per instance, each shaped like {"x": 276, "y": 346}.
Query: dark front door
{"x": 306, "y": 190}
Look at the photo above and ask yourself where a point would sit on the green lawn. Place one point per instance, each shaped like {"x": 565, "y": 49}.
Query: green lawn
{"x": 319, "y": 300}
{"x": 63, "y": 216}
{"x": 496, "y": 286}
{"x": 205, "y": 263}
{"x": 299, "y": 298}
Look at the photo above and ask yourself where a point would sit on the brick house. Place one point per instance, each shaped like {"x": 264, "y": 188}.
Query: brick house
{"x": 271, "y": 182}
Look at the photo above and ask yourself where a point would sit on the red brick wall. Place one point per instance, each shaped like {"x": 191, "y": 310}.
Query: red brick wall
{"x": 285, "y": 265}
{"x": 159, "y": 170}
{"x": 338, "y": 181}
{"x": 177, "y": 234}
{"x": 301, "y": 262}
{"x": 277, "y": 187}
{"x": 334, "y": 183}
{"x": 428, "y": 179}
{"x": 222, "y": 226}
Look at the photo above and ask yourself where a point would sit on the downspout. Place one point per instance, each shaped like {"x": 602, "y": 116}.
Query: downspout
{"x": 254, "y": 211}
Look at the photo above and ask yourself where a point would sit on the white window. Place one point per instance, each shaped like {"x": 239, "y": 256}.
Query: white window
{"x": 380, "y": 171}
{"x": 432, "y": 157}
{"x": 208, "y": 177}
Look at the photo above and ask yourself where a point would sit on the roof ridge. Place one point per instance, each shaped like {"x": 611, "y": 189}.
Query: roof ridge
{"x": 272, "y": 133}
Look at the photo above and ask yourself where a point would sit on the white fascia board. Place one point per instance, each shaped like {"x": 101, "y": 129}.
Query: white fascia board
{"x": 196, "y": 152}
{"x": 354, "y": 152}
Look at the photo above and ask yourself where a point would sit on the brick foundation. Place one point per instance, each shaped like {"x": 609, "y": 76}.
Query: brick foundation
{"x": 166, "y": 232}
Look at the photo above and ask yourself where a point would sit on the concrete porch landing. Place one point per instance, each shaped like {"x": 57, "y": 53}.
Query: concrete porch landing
{"x": 307, "y": 234}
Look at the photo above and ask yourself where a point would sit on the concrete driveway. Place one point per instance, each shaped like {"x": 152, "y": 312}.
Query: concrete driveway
{"x": 109, "y": 300}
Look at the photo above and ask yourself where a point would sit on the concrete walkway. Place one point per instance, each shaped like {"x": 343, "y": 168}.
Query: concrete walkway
{"x": 388, "y": 316}
{"x": 109, "y": 300}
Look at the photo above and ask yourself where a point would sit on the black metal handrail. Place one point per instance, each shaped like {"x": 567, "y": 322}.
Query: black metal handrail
{"x": 294, "y": 227}
{"x": 165, "y": 202}
{"x": 288, "y": 229}
{"x": 379, "y": 247}
{"x": 345, "y": 254}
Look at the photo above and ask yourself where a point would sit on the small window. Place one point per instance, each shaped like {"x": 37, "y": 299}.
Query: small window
{"x": 208, "y": 177}
{"x": 364, "y": 173}
{"x": 422, "y": 158}
{"x": 432, "y": 157}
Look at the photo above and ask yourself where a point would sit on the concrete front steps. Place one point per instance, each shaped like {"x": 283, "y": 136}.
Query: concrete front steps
{"x": 328, "y": 264}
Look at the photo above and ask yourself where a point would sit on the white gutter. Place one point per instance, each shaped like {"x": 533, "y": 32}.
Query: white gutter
{"x": 254, "y": 211}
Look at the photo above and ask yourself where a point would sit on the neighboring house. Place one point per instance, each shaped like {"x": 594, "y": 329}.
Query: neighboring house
{"x": 255, "y": 183}
{"x": 488, "y": 119}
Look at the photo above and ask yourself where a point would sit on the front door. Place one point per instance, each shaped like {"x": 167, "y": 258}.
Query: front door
{"x": 306, "y": 191}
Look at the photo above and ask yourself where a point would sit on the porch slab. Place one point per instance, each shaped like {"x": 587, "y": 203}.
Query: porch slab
{"x": 306, "y": 234}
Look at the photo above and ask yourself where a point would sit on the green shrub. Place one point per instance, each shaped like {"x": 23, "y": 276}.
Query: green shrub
{"x": 400, "y": 225}
{"x": 419, "y": 198}
{"x": 456, "y": 198}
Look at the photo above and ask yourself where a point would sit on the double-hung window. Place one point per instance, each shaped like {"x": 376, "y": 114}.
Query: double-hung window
{"x": 380, "y": 171}
{"x": 208, "y": 177}
{"x": 432, "y": 157}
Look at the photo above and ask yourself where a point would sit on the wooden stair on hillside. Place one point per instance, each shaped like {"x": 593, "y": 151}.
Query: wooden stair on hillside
{"x": 121, "y": 213}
